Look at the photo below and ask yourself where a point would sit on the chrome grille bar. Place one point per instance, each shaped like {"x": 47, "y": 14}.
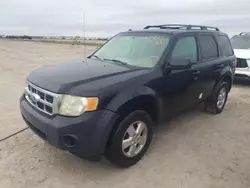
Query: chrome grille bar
{"x": 41, "y": 99}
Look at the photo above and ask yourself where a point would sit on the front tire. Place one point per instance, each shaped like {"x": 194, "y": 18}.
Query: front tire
{"x": 217, "y": 101}
{"x": 132, "y": 139}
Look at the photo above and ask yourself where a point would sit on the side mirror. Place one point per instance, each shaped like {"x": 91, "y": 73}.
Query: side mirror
{"x": 180, "y": 64}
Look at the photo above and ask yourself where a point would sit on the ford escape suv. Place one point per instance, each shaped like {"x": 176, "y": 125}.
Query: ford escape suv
{"x": 108, "y": 103}
{"x": 241, "y": 46}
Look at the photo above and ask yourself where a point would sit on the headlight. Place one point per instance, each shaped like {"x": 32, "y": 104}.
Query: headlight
{"x": 75, "y": 106}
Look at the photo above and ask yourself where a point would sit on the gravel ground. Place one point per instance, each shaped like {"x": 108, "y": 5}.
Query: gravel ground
{"x": 195, "y": 150}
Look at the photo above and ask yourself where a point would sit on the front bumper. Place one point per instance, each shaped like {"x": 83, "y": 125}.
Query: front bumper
{"x": 85, "y": 135}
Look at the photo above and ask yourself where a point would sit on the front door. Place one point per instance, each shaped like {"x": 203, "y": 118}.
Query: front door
{"x": 180, "y": 86}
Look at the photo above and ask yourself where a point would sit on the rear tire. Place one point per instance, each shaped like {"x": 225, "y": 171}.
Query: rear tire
{"x": 217, "y": 101}
{"x": 132, "y": 139}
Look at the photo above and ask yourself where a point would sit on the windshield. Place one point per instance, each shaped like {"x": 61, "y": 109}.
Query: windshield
{"x": 241, "y": 42}
{"x": 134, "y": 50}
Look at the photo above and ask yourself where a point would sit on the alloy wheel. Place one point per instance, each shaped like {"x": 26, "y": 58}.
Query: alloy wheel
{"x": 134, "y": 139}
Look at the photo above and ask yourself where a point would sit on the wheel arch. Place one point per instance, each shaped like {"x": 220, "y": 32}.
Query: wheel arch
{"x": 229, "y": 80}
{"x": 226, "y": 76}
{"x": 147, "y": 102}
{"x": 128, "y": 100}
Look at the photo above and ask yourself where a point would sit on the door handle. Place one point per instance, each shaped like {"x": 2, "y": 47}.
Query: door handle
{"x": 195, "y": 74}
{"x": 220, "y": 66}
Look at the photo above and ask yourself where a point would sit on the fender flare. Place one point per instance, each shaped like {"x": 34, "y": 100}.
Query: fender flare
{"x": 124, "y": 96}
{"x": 225, "y": 74}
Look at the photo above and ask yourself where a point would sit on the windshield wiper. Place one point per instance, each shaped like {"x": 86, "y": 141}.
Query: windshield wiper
{"x": 97, "y": 57}
{"x": 116, "y": 61}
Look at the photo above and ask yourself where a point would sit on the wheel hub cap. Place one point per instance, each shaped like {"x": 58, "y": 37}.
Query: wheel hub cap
{"x": 221, "y": 98}
{"x": 134, "y": 139}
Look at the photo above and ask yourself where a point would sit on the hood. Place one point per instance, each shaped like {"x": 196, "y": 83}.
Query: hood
{"x": 62, "y": 77}
{"x": 242, "y": 53}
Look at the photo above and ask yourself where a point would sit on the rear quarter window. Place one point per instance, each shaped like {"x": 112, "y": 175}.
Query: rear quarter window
{"x": 225, "y": 46}
{"x": 208, "y": 47}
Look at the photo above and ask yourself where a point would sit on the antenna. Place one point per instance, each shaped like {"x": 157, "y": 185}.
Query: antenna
{"x": 84, "y": 31}
{"x": 84, "y": 40}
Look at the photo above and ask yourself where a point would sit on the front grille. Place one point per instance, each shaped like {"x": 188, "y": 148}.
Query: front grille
{"x": 241, "y": 63}
{"x": 40, "y": 98}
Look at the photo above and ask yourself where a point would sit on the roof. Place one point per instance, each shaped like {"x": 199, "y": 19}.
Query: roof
{"x": 178, "y": 29}
{"x": 242, "y": 34}
{"x": 173, "y": 32}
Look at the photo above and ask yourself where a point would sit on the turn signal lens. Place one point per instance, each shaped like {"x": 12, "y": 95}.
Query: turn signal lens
{"x": 92, "y": 103}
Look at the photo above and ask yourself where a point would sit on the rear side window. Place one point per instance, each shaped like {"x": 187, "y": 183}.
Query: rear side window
{"x": 225, "y": 46}
{"x": 186, "y": 48}
{"x": 209, "y": 49}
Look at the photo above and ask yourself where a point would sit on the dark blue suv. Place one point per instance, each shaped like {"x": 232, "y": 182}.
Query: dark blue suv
{"x": 109, "y": 102}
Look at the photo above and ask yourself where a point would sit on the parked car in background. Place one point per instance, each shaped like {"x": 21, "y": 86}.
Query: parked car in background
{"x": 109, "y": 102}
{"x": 241, "y": 46}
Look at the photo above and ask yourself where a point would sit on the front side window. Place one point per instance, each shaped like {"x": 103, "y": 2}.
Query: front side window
{"x": 186, "y": 48}
{"x": 139, "y": 50}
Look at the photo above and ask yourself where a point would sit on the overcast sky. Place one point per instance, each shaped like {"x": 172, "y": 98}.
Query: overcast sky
{"x": 107, "y": 17}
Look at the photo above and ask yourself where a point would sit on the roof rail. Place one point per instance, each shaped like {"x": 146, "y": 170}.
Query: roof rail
{"x": 182, "y": 26}
{"x": 244, "y": 33}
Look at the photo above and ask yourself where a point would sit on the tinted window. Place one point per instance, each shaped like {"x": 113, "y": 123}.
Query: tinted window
{"x": 208, "y": 47}
{"x": 185, "y": 48}
{"x": 241, "y": 42}
{"x": 225, "y": 46}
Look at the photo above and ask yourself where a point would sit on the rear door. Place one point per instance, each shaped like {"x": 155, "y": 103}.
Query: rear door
{"x": 226, "y": 51}
{"x": 208, "y": 69}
